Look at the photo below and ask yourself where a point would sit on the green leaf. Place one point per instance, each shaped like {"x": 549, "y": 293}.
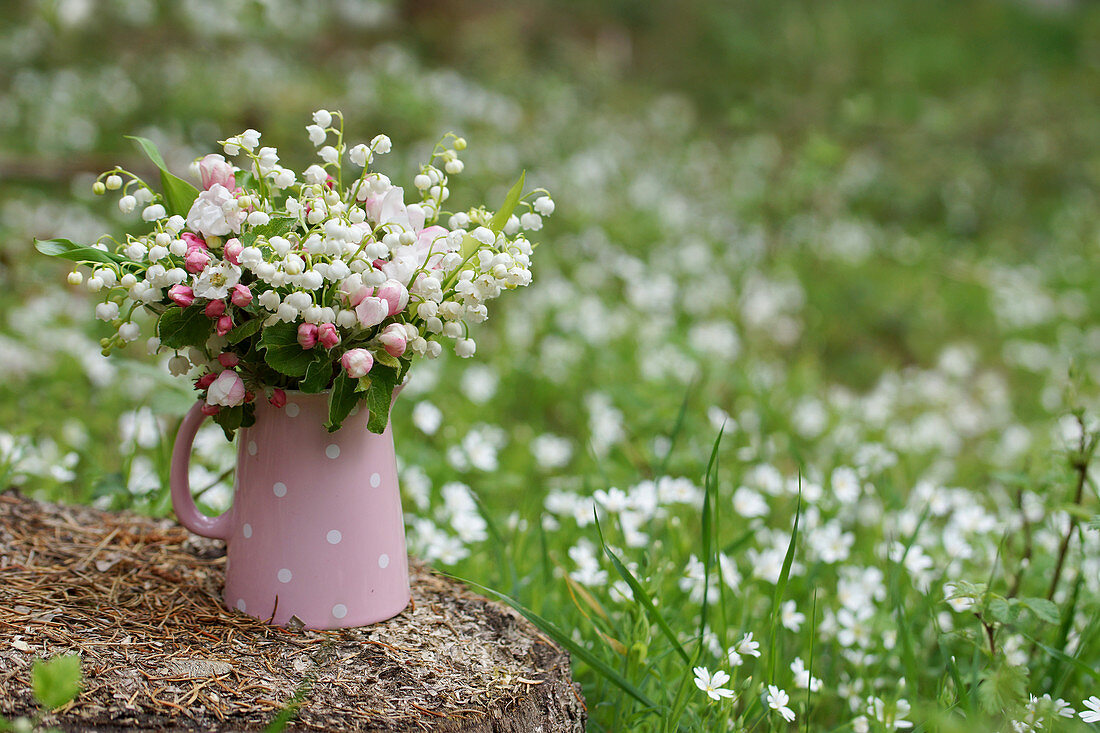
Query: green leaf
{"x": 57, "y": 681}
{"x": 1001, "y": 611}
{"x": 640, "y": 595}
{"x": 380, "y": 396}
{"x": 178, "y": 193}
{"x": 1041, "y": 607}
{"x": 230, "y": 418}
{"x": 182, "y": 327}
{"x": 318, "y": 374}
{"x": 469, "y": 246}
{"x": 283, "y": 353}
{"x": 510, "y": 202}
{"x": 341, "y": 400}
{"x": 76, "y": 252}
{"x": 276, "y": 227}
{"x": 383, "y": 357}
{"x": 566, "y": 641}
{"x": 244, "y": 330}
{"x": 1003, "y": 688}
{"x": 248, "y": 417}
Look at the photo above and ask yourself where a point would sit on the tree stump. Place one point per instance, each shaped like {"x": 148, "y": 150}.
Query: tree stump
{"x": 140, "y": 601}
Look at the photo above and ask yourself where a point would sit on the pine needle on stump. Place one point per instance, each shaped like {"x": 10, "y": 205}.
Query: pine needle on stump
{"x": 140, "y": 601}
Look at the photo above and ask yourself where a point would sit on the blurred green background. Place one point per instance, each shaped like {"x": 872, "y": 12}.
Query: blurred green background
{"x": 837, "y": 225}
{"x": 886, "y": 173}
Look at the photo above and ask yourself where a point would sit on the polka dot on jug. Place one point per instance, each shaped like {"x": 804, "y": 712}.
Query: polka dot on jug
{"x": 354, "y": 411}
{"x": 334, "y": 537}
{"x": 339, "y": 610}
{"x": 383, "y": 560}
{"x": 292, "y": 409}
{"x": 240, "y": 606}
{"x": 246, "y": 530}
{"x": 285, "y": 576}
{"x": 252, "y": 448}
{"x": 375, "y": 479}
{"x": 333, "y": 451}
{"x": 279, "y": 489}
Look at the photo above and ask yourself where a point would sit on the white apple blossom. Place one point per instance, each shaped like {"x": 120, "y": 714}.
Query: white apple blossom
{"x": 214, "y": 213}
{"x": 215, "y": 281}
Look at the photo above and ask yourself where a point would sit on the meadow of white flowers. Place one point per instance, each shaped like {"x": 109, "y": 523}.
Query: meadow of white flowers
{"x": 840, "y": 459}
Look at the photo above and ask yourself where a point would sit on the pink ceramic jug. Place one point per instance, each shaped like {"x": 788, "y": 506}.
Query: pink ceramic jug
{"x": 315, "y": 530}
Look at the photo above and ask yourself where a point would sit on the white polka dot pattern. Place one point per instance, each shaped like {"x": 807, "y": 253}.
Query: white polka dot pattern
{"x": 333, "y": 451}
{"x": 246, "y": 530}
{"x": 339, "y": 610}
{"x": 334, "y": 537}
{"x": 285, "y": 576}
{"x": 240, "y": 606}
{"x": 252, "y": 448}
{"x": 375, "y": 480}
{"x": 292, "y": 409}
{"x": 279, "y": 489}
{"x": 383, "y": 560}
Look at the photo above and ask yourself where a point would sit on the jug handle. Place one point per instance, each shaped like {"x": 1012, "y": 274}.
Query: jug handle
{"x": 182, "y": 501}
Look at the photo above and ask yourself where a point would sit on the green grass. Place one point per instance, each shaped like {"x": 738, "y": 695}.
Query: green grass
{"x": 865, "y": 232}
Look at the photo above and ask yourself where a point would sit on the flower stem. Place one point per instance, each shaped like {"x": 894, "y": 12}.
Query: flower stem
{"x": 1080, "y": 463}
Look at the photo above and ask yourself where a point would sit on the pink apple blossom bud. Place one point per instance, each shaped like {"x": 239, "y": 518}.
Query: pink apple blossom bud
{"x": 307, "y": 335}
{"x": 215, "y": 170}
{"x": 372, "y": 311}
{"x": 357, "y": 362}
{"x": 224, "y": 325}
{"x": 193, "y": 241}
{"x": 215, "y": 308}
{"x": 196, "y": 260}
{"x": 393, "y": 339}
{"x": 209, "y": 410}
{"x": 227, "y": 390}
{"x": 327, "y": 335}
{"x": 228, "y": 359}
{"x": 360, "y": 295}
{"x": 395, "y": 294}
{"x": 232, "y": 251}
{"x": 205, "y": 380}
{"x": 277, "y": 398}
{"x": 240, "y": 296}
{"x": 181, "y": 295}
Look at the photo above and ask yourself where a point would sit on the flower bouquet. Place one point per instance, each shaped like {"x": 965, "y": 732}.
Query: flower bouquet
{"x": 266, "y": 280}
{"x": 292, "y": 299}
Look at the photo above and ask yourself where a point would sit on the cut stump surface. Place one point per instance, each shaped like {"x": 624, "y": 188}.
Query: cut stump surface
{"x": 140, "y": 601}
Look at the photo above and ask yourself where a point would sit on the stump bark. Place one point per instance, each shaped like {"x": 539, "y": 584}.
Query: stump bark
{"x": 140, "y": 601}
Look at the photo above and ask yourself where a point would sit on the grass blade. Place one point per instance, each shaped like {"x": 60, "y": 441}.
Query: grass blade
{"x": 566, "y": 641}
{"x": 708, "y": 538}
{"x": 677, "y": 427}
{"x": 781, "y": 585}
{"x": 810, "y": 660}
{"x": 641, "y": 596}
